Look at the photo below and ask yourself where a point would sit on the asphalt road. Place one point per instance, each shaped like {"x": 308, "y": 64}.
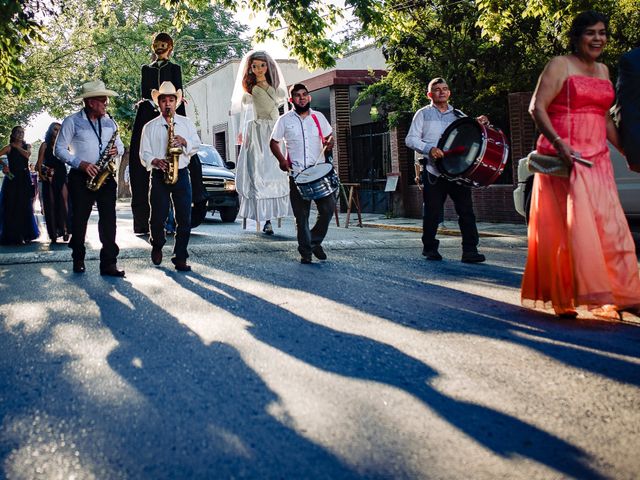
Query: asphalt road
{"x": 374, "y": 364}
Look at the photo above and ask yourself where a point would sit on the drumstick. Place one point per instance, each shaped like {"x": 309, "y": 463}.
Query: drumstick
{"x": 576, "y": 157}
{"x": 460, "y": 149}
{"x": 323, "y": 149}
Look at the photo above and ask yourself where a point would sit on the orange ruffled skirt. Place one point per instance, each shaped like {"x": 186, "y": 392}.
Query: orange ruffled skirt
{"x": 581, "y": 253}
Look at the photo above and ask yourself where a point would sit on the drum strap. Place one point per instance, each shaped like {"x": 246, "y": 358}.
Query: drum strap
{"x": 315, "y": 119}
{"x": 317, "y": 122}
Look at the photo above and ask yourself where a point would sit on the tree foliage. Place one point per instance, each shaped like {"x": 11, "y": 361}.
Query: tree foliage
{"x": 485, "y": 48}
{"x": 19, "y": 29}
{"x": 86, "y": 42}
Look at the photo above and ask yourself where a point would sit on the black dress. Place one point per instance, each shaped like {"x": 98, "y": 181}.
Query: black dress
{"x": 56, "y": 211}
{"x": 152, "y": 76}
{"x": 18, "y": 224}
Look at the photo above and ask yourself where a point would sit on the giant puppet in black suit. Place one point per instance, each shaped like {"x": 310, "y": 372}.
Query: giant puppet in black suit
{"x": 152, "y": 76}
{"x": 628, "y": 89}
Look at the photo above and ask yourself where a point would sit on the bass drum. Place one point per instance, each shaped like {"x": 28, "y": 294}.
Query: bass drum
{"x": 474, "y": 154}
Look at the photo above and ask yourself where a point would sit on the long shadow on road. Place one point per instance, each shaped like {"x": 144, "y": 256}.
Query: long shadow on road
{"x": 209, "y": 408}
{"x": 366, "y": 359}
{"x": 412, "y": 296}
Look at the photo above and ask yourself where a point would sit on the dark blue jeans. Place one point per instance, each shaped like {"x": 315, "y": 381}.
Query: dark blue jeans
{"x": 160, "y": 194}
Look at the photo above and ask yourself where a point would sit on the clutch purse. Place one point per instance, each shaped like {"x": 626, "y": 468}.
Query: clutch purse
{"x": 547, "y": 164}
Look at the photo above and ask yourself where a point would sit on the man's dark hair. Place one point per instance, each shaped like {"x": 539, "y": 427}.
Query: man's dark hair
{"x": 435, "y": 81}
{"x": 583, "y": 21}
{"x": 297, "y": 86}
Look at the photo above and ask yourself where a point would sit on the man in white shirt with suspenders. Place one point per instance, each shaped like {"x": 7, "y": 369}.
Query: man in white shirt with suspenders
{"x": 306, "y": 133}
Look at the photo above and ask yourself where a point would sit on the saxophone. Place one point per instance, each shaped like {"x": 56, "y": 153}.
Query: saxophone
{"x": 173, "y": 154}
{"x": 106, "y": 164}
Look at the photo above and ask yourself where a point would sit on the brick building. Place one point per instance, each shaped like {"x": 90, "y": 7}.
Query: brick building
{"x": 366, "y": 152}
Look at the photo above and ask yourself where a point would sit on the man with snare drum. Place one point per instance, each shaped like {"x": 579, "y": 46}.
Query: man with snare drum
{"x": 307, "y": 135}
{"x": 427, "y": 127}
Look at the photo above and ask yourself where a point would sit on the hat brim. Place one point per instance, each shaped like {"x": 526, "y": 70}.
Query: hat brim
{"x": 155, "y": 94}
{"x": 97, "y": 93}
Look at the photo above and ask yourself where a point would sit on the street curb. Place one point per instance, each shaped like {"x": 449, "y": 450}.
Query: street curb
{"x": 441, "y": 231}
{"x": 134, "y": 253}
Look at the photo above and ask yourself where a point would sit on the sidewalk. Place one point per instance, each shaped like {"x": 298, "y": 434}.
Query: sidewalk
{"x": 449, "y": 227}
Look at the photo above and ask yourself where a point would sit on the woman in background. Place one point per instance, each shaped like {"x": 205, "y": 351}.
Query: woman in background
{"x": 18, "y": 224}
{"x": 55, "y": 197}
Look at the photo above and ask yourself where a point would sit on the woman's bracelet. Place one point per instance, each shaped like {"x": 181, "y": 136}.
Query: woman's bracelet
{"x": 557, "y": 137}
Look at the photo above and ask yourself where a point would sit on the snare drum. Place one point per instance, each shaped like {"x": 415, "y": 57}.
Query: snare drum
{"x": 317, "y": 182}
{"x": 474, "y": 154}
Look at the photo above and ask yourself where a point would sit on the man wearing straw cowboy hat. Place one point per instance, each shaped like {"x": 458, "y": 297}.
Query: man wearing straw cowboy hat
{"x": 306, "y": 134}
{"x": 153, "y": 152}
{"x": 83, "y": 139}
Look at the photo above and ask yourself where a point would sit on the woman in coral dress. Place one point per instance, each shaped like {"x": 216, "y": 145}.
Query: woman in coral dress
{"x": 581, "y": 253}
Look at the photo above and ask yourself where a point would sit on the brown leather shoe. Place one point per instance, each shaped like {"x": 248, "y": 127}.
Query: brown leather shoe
{"x": 181, "y": 265}
{"x": 78, "y": 266}
{"x": 156, "y": 255}
{"x": 111, "y": 271}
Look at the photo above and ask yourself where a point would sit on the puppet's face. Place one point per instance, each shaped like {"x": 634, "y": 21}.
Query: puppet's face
{"x": 162, "y": 49}
{"x": 259, "y": 69}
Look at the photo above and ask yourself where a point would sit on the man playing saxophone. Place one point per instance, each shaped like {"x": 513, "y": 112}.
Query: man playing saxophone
{"x": 85, "y": 138}
{"x": 167, "y": 144}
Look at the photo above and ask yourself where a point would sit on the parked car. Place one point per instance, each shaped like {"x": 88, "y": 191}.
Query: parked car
{"x": 217, "y": 186}
{"x": 627, "y": 181}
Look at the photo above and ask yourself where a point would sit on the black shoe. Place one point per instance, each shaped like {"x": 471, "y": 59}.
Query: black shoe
{"x": 319, "y": 252}
{"x": 156, "y": 255}
{"x": 111, "y": 271}
{"x": 267, "y": 229}
{"x": 181, "y": 265}
{"x": 306, "y": 260}
{"x": 432, "y": 255}
{"x": 472, "y": 257}
{"x": 78, "y": 266}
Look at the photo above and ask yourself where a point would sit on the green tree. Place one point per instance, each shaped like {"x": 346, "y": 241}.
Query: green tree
{"x": 86, "y": 43}
{"x": 485, "y": 49}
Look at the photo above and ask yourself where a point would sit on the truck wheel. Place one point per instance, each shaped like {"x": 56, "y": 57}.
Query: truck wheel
{"x": 228, "y": 214}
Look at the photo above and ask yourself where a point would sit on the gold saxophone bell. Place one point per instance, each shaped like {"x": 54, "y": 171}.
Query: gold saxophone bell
{"x": 173, "y": 154}
{"x": 106, "y": 164}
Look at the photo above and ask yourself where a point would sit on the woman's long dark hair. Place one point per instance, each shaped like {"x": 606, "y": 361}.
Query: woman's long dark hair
{"x": 12, "y": 137}
{"x": 49, "y": 139}
{"x": 581, "y": 22}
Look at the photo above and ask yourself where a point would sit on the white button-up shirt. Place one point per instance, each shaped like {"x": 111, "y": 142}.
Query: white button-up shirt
{"x": 302, "y": 138}
{"x": 78, "y": 141}
{"x": 155, "y": 135}
{"x": 427, "y": 127}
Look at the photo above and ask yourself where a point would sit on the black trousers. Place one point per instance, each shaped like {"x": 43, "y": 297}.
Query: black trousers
{"x": 435, "y": 192}
{"x": 180, "y": 196}
{"x": 82, "y": 201}
{"x": 309, "y": 238}
{"x": 139, "y": 181}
